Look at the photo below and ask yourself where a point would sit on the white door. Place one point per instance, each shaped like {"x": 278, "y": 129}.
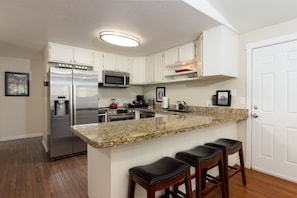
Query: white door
{"x": 274, "y": 110}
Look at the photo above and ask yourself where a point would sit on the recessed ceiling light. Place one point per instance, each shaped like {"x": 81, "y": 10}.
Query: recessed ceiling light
{"x": 121, "y": 39}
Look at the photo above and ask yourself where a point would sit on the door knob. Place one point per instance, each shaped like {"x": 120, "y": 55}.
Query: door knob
{"x": 254, "y": 115}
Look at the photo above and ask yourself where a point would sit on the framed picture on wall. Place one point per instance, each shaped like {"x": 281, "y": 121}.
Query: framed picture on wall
{"x": 16, "y": 84}
{"x": 160, "y": 92}
{"x": 223, "y": 98}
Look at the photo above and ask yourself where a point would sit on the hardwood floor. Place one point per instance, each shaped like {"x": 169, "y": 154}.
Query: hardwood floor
{"x": 26, "y": 172}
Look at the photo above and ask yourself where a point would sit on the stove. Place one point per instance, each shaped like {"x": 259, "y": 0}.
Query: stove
{"x": 117, "y": 114}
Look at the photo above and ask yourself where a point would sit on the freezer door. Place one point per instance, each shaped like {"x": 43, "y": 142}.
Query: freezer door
{"x": 60, "y": 136}
{"x": 85, "y": 102}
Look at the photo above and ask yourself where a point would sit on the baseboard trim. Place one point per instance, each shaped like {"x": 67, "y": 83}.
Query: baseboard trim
{"x": 20, "y": 137}
{"x": 44, "y": 145}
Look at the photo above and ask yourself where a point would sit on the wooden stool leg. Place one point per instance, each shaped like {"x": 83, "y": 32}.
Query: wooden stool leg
{"x": 242, "y": 166}
{"x": 131, "y": 188}
{"x": 198, "y": 182}
{"x": 223, "y": 178}
{"x": 188, "y": 185}
{"x": 226, "y": 172}
{"x": 167, "y": 193}
{"x": 151, "y": 192}
{"x": 204, "y": 173}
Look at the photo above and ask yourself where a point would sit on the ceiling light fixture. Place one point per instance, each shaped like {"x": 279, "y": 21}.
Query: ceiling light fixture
{"x": 121, "y": 39}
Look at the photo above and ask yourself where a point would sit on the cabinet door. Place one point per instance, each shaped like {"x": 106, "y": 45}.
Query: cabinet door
{"x": 171, "y": 56}
{"x": 123, "y": 63}
{"x": 109, "y": 61}
{"x": 60, "y": 53}
{"x": 138, "y": 74}
{"x": 150, "y": 69}
{"x": 186, "y": 52}
{"x": 220, "y": 52}
{"x": 99, "y": 64}
{"x": 83, "y": 56}
{"x": 158, "y": 70}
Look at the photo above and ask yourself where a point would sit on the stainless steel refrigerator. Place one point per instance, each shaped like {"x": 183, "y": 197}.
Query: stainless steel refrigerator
{"x": 73, "y": 100}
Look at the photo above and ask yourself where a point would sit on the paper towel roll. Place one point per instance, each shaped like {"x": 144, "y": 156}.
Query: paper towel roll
{"x": 165, "y": 102}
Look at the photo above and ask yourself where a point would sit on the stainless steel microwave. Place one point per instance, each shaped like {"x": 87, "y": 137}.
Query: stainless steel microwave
{"x": 115, "y": 79}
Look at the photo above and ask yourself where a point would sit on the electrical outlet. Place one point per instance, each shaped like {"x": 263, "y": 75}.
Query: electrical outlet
{"x": 242, "y": 100}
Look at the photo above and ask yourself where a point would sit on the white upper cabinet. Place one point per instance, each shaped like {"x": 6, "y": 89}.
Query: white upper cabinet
{"x": 171, "y": 56}
{"x": 60, "y": 53}
{"x": 138, "y": 71}
{"x": 83, "y": 56}
{"x": 99, "y": 64}
{"x": 219, "y": 52}
{"x": 180, "y": 54}
{"x": 150, "y": 69}
{"x": 186, "y": 52}
{"x": 154, "y": 68}
{"x": 159, "y": 63}
{"x": 109, "y": 61}
{"x": 123, "y": 63}
{"x": 183, "y": 67}
{"x": 116, "y": 62}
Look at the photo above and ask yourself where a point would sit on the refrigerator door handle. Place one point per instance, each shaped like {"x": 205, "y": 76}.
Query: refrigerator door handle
{"x": 74, "y": 105}
{"x": 71, "y": 104}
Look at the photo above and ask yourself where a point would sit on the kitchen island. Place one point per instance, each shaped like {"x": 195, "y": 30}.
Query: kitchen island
{"x": 115, "y": 147}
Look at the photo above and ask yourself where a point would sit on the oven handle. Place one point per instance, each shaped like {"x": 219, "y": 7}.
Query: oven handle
{"x": 111, "y": 118}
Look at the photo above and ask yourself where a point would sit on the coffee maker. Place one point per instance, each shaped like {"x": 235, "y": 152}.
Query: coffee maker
{"x": 140, "y": 99}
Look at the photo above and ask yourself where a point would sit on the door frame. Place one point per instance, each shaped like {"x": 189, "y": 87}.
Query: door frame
{"x": 249, "y": 59}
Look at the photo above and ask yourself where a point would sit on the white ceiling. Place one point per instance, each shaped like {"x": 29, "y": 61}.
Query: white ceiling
{"x": 27, "y": 25}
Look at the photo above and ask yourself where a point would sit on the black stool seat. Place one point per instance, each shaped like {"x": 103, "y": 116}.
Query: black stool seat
{"x": 225, "y": 144}
{"x": 160, "y": 171}
{"x": 199, "y": 154}
{"x": 160, "y": 175}
{"x": 204, "y": 158}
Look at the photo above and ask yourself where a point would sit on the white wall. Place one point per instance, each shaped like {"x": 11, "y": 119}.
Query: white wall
{"x": 122, "y": 95}
{"x": 198, "y": 92}
{"x": 21, "y": 116}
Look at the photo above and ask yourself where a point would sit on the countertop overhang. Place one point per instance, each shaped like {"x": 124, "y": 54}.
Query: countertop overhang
{"x": 106, "y": 135}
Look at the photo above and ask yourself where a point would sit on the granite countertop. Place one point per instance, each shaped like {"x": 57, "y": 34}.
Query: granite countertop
{"x": 105, "y": 135}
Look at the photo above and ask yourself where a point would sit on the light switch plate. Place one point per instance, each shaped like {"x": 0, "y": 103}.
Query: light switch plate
{"x": 233, "y": 92}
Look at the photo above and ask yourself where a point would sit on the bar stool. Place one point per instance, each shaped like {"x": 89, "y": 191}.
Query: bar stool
{"x": 203, "y": 158}
{"x": 160, "y": 175}
{"x": 229, "y": 147}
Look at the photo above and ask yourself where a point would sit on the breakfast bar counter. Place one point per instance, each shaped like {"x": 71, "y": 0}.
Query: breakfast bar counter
{"x": 115, "y": 147}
